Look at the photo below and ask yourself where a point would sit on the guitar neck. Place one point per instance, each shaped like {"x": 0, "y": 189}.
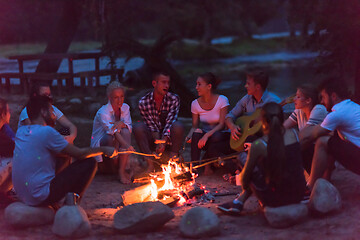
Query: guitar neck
{"x": 287, "y": 100}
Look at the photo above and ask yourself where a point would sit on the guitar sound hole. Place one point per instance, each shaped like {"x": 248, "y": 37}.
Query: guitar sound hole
{"x": 252, "y": 123}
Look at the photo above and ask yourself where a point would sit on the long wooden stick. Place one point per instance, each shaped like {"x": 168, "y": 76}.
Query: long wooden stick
{"x": 217, "y": 159}
{"x": 210, "y": 160}
{"x": 139, "y": 153}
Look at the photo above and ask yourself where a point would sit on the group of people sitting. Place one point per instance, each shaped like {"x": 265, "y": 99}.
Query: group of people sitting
{"x": 272, "y": 165}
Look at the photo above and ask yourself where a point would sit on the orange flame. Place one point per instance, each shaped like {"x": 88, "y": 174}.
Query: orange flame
{"x": 169, "y": 171}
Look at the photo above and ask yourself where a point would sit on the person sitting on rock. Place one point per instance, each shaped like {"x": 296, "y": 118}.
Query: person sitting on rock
{"x": 159, "y": 110}
{"x": 344, "y": 121}
{"x": 308, "y": 113}
{"x": 209, "y": 110}
{"x": 112, "y": 127}
{"x": 36, "y": 148}
{"x": 7, "y": 145}
{"x": 68, "y": 129}
{"x": 273, "y": 170}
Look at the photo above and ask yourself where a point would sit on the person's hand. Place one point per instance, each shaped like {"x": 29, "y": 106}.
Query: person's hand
{"x": 117, "y": 125}
{"x": 160, "y": 148}
{"x": 236, "y": 132}
{"x": 202, "y": 141}
{"x": 247, "y": 147}
{"x": 70, "y": 139}
{"x": 130, "y": 148}
{"x": 109, "y": 151}
{"x": 188, "y": 139}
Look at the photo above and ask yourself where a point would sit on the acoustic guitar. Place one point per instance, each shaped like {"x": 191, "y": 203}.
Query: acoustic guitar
{"x": 251, "y": 125}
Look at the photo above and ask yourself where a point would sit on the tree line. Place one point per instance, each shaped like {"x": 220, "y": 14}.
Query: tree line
{"x": 335, "y": 24}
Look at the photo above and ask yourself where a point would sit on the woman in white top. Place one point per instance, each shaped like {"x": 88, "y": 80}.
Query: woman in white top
{"x": 307, "y": 114}
{"x": 209, "y": 111}
{"x": 112, "y": 127}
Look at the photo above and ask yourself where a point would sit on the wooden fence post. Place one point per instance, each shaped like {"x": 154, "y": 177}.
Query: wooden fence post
{"x": 59, "y": 86}
{"x": 7, "y": 84}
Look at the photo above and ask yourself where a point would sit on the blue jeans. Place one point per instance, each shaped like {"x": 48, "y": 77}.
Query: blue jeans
{"x": 145, "y": 140}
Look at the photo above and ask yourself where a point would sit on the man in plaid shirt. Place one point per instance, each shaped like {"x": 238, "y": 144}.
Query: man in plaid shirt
{"x": 159, "y": 109}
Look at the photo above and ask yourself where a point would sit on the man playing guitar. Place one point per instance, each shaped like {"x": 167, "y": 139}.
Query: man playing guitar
{"x": 256, "y": 97}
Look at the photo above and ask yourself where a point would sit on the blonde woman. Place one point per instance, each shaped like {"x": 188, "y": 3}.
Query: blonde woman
{"x": 112, "y": 127}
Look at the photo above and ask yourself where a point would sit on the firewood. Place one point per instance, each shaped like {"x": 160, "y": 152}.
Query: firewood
{"x": 194, "y": 192}
{"x": 139, "y": 194}
{"x": 186, "y": 176}
{"x": 170, "y": 193}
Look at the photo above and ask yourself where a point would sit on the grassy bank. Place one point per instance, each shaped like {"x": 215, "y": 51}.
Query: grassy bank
{"x": 7, "y": 50}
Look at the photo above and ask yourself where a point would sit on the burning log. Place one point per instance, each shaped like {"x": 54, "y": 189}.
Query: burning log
{"x": 168, "y": 193}
{"x": 170, "y": 201}
{"x": 162, "y": 187}
{"x": 139, "y": 194}
{"x": 184, "y": 177}
{"x": 195, "y": 191}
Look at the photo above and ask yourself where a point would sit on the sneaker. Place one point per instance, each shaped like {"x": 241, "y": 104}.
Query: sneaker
{"x": 72, "y": 198}
{"x": 231, "y": 208}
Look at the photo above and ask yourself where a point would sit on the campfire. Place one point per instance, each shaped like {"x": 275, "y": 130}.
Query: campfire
{"x": 174, "y": 185}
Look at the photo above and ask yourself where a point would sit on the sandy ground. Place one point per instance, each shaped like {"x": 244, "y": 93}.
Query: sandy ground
{"x": 103, "y": 197}
{"x": 104, "y": 194}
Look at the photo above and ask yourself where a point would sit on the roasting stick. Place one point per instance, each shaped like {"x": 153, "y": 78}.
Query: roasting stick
{"x": 218, "y": 159}
{"x": 124, "y": 151}
{"x": 210, "y": 160}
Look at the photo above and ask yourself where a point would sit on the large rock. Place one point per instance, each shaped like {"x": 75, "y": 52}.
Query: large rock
{"x": 324, "y": 198}
{"x": 199, "y": 222}
{"x": 71, "y": 221}
{"x": 285, "y": 216}
{"x": 142, "y": 217}
{"x": 20, "y": 215}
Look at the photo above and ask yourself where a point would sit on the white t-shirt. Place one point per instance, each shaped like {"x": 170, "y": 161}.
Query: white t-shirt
{"x": 345, "y": 118}
{"x": 209, "y": 118}
{"x": 24, "y": 115}
{"x": 34, "y": 161}
{"x": 103, "y": 123}
{"x": 317, "y": 115}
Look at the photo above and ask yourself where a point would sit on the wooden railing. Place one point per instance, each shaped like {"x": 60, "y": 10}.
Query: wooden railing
{"x": 26, "y": 78}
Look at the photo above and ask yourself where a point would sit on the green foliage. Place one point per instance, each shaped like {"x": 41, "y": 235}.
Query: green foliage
{"x": 112, "y": 19}
{"x": 337, "y": 34}
{"x": 336, "y": 37}
{"x": 7, "y": 50}
{"x": 253, "y": 46}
